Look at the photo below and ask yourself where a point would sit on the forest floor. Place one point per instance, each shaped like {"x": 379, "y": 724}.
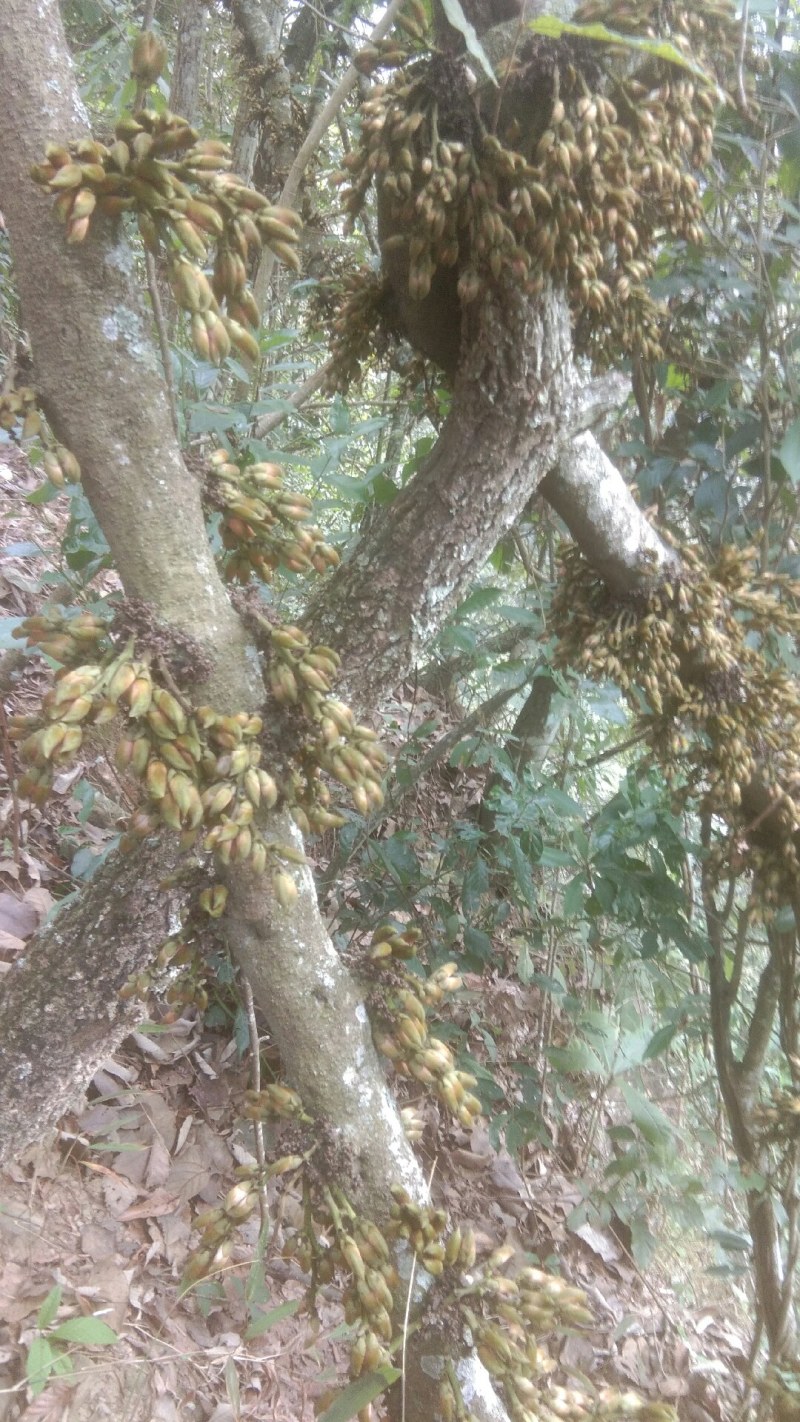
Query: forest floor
{"x": 103, "y": 1211}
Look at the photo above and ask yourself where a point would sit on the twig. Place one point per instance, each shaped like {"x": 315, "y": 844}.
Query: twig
{"x": 740, "y": 62}
{"x": 302, "y": 393}
{"x": 255, "y": 1080}
{"x": 163, "y": 338}
{"x": 329, "y": 20}
{"x": 316, "y": 132}
{"x": 12, "y": 785}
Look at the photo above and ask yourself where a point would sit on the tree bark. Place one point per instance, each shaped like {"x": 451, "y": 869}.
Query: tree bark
{"x": 527, "y": 743}
{"x": 262, "y": 142}
{"x": 60, "y": 1010}
{"x": 513, "y": 406}
{"x": 184, "y": 94}
{"x": 96, "y": 367}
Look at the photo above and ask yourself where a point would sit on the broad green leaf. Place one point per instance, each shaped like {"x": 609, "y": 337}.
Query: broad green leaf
{"x": 651, "y": 1121}
{"x": 85, "y": 1330}
{"x": 577, "y": 1059}
{"x": 265, "y": 1319}
{"x": 643, "y": 1241}
{"x": 478, "y": 600}
{"x": 553, "y": 858}
{"x": 359, "y": 1394}
{"x": 660, "y": 49}
{"x": 49, "y": 1307}
{"x": 562, "y": 803}
{"x": 21, "y": 550}
{"x": 789, "y": 452}
{"x": 476, "y": 885}
{"x": 478, "y": 944}
{"x": 525, "y": 967}
{"x": 730, "y": 1239}
{"x": 39, "y": 1364}
{"x": 659, "y": 1041}
{"x": 214, "y": 419}
{"x": 573, "y": 896}
{"x": 521, "y": 865}
{"x": 62, "y": 1363}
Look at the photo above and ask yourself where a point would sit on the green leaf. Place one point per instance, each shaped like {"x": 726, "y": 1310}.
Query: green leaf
{"x": 525, "y": 968}
{"x": 553, "y": 858}
{"x": 62, "y": 1363}
{"x": 359, "y": 1394}
{"x": 573, "y": 896}
{"x": 39, "y": 1364}
{"x": 651, "y": 1121}
{"x": 659, "y": 1041}
{"x": 577, "y": 1059}
{"x": 214, "y": 419}
{"x": 459, "y": 21}
{"x": 45, "y": 494}
{"x": 729, "y": 1239}
{"x": 478, "y": 600}
{"x": 789, "y": 452}
{"x": 85, "y": 1330}
{"x": 521, "y": 865}
{"x": 232, "y": 1386}
{"x": 476, "y": 885}
{"x": 49, "y": 1307}
{"x": 660, "y": 49}
{"x": 265, "y": 1319}
{"x": 643, "y": 1241}
{"x": 478, "y": 944}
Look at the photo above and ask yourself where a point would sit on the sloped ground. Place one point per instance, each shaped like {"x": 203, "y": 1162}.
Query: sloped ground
{"x": 105, "y": 1210}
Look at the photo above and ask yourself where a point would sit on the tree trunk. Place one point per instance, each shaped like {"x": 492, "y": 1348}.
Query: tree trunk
{"x": 513, "y": 405}
{"x": 60, "y": 1011}
{"x": 527, "y": 743}
{"x": 184, "y": 94}
{"x": 262, "y": 142}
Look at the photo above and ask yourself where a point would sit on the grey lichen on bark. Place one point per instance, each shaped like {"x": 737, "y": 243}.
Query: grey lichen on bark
{"x": 320, "y": 1025}
{"x": 589, "y": 493}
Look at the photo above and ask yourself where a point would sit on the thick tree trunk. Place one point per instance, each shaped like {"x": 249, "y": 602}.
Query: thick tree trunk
{"x": 322, "y": 1031}
{"x": 184, "y": 94}
{"x": 513, "y": 407}
{"x": 262, "y": 141}
{"x": 95, "y": 364}
{"x": 60, "y": 1010}
{"x": 97, "y": 368}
